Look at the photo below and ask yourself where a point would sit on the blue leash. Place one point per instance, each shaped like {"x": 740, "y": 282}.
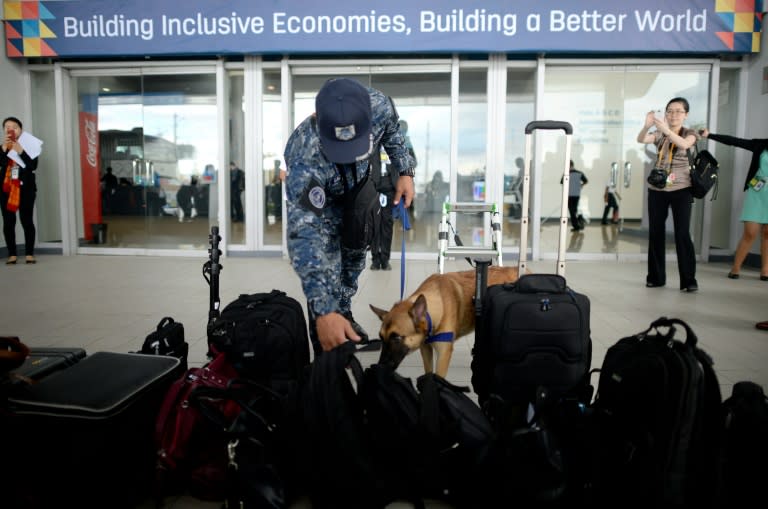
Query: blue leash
{"x": 402, "y": 214}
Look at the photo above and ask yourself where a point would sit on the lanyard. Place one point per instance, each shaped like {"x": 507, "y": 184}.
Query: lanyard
{"x": 671, "y": 151}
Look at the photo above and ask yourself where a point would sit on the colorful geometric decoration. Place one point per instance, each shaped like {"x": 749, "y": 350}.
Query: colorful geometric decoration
{"x": 744, "y": 20}
{"x": 25, "y": 30}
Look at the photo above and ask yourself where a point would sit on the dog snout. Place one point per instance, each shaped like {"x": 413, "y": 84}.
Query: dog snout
{"x": 393, "y": 351}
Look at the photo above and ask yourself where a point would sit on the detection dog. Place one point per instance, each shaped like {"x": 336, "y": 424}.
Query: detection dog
{"x": 439, "y": 312}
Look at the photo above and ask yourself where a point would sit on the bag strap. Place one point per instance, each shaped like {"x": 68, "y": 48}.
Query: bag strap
{"x": 243, "y": 392}
{"x": 164, "y": 322}
{"x": 690, "y": 337}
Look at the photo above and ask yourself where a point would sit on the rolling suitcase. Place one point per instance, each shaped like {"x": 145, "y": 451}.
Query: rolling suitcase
{"x": 84, "y": 436}
{"x": 534, "y": 332}
{"x": 530, "y": 365}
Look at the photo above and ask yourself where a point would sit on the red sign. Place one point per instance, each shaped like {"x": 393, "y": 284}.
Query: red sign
{"x": 90, "y": 171}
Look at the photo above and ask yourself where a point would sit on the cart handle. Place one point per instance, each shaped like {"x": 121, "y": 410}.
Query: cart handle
{"x": 548, "y": 124}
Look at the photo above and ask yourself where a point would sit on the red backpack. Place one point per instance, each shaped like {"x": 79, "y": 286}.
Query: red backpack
{"x": 191, "y": 452}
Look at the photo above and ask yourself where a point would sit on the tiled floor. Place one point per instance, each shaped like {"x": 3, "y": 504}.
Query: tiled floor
{"x": 112, "y": 302}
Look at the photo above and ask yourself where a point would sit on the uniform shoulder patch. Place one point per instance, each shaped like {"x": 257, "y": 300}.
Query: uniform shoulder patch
{"x": 314, "y": 197}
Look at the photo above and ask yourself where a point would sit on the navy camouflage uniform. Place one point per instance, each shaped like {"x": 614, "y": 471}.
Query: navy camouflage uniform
{"x": 315, "y": 188}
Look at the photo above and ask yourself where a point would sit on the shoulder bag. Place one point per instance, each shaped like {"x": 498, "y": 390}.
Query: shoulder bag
{"x": 704, "y": 168}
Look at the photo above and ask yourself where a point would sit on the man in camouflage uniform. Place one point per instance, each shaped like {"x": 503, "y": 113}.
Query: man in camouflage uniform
{"x": 349, "y": 121}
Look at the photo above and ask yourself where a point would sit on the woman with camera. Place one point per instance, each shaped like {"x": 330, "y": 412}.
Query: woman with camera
{"x": 669, "y": 188}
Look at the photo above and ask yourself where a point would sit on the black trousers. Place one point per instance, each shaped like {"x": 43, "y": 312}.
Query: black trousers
{"x": 612, "y": 204}
{"x": 573, "y": 210}
{"x": 659, "y": 204}
{"x": 381, "y": 248}
{"x": 26, "y": 209}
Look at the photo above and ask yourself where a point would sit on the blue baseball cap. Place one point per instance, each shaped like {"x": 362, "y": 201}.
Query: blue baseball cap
{"x": 344, "y": 120}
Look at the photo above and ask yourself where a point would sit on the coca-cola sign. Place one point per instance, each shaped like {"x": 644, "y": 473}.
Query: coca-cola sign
{"x": 92, "y": 137}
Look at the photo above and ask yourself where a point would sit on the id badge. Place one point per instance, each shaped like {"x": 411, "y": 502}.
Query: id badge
{"x": 670, "y": 179}
{"x": 756, "y": 183}
{"x": 15, "y": 172}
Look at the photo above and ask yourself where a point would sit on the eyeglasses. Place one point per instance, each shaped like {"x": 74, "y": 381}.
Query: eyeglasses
{"x": 676, "y": 112}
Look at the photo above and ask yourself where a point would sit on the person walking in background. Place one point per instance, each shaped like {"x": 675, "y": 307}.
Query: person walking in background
{"x": 18, "y": 163}
{"x": 611, "y": 203}
{"x": 754, "y": 213}
{"x": 385, "y": 182}
{"x": 327, "y": 156}
{"x": 576, "y": 181}
{"x": 672, "y": 140}
{"x": 187, "y": 199}
{"x": 108, "y": 189}
{"x": 237, "y": 185}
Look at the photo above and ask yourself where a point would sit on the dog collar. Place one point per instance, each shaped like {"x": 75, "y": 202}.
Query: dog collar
{"x": 436, "y": 338}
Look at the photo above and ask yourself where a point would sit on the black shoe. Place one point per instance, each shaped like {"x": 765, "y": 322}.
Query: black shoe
{"x": 648, "y": 284}
{"x": 386, "y": 266}
{"x": 375, "y": 266}
{"x": 693, "y": 287}
{"x": 731, "y": 275}
{"x": 604, "y": 221}
{"x": 763, "y": 278}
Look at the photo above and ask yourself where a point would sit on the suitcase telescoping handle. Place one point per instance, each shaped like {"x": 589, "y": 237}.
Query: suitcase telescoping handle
{"x": 551, "y": 125}
{"x": 529, "y": 129}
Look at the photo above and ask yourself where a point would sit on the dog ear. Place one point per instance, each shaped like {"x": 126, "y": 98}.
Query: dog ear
{"x": 419, "y": 309}
{"x": 379, "y": 312}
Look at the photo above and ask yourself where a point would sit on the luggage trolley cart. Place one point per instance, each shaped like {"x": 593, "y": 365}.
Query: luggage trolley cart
{"x": 443, "y": 245}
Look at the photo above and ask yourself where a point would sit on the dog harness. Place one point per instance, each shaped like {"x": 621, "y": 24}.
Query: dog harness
{"x": 435, "y": 338}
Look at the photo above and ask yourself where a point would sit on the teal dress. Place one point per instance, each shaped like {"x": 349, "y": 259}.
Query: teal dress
{"x": 756, "y": 202}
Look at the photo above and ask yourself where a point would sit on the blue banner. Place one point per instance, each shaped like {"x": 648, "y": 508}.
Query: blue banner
{"x": 98, "y": 28}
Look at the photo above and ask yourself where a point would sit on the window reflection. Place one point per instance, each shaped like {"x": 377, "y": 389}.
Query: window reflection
{"x": 155, "y": 135}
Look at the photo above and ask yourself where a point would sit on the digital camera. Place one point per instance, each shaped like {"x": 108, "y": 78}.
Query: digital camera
{"x": 658, "y": 178}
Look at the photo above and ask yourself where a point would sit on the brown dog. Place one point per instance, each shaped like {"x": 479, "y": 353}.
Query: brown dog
{"x": 438, "y": 313}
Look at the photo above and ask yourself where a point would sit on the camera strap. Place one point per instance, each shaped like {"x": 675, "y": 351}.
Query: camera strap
{"x": 670, "y": 153}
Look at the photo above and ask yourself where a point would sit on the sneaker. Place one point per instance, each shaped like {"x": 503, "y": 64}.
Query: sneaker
{"x": 181, "y": 215}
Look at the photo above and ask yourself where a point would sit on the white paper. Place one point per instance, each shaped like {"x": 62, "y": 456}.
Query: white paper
{"x": 31, "y": 145}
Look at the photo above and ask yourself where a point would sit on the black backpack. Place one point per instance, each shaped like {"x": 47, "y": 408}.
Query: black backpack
{"x": 434, "y": 443}
{"x": 167, "y": 339}
{"x": 657, "y": 421}
{"x": 264, "y": 336}
{"x": 460, "y": 440}
{"x": 745, "y": 446}
{"x": 340, "y": 471}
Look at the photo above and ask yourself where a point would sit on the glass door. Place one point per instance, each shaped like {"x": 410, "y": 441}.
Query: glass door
{"x": 148, "y": 160}
{"x": 607, "y": 107}
{"x": 422, "y": 98}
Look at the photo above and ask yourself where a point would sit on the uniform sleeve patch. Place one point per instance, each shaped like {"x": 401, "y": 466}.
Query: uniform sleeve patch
{"x": 314, "y": 197}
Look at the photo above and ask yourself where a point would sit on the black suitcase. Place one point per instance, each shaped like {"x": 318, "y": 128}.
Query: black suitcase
{"x": 45, "y": 361}
{"x": 84, "y": 437}
{"x": 534, "y": 332}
